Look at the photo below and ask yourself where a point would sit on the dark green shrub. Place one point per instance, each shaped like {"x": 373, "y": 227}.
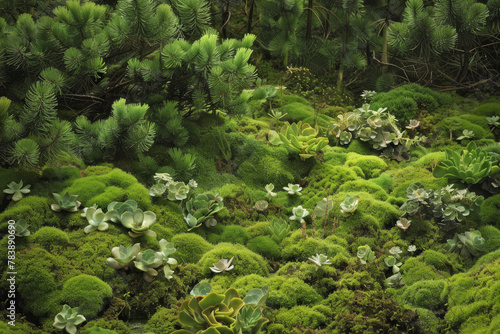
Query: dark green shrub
{"x": 88, "y": 293}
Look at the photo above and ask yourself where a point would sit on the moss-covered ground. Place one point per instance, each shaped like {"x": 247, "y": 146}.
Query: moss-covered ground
{"x": 439, "y": 292}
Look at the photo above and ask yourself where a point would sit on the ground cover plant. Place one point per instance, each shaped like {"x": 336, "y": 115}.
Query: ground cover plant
{"x": 268, "y": 166}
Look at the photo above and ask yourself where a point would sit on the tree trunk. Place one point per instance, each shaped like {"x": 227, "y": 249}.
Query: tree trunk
{"x": 309, "y": 19}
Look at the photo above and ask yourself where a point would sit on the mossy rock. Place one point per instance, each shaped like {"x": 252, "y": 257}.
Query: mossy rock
{"x": 456, "y": 125}
{"x": 384, "y": 181}
{"x": 283, "y": 291}
{"x": 190, "y": 247}
{"x": 429, "y": 294}
{"x": 35, "y": 211}
{"x": 364, "y": 186}
{"x": 416, "y": 270}
{"x": 48, "y": 236}
{"x": 371, "y": 166}
{"x": 245, "y": 261}
{"x": 489, "y": 211}
{"x": 296, "y": 112}
{"x": 163, "y": 321}
{"x": 492, "y": 236}
{"x": 301, "y": 316}
{"x": 265, "y": 246}
{"x": 87, "y": 292}
{"x": 234, "y": 234}
{"x": 297, "y": 249}
{"x": 487, "y": 110}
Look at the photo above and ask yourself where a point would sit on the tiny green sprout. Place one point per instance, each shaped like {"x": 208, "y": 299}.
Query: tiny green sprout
{"x": 293, "y": 189}
{"x": 403, "y": 223}
{"x": 365, "y": 254}
{"x": 299, "y": 213}
{"x": 395, "y": 251}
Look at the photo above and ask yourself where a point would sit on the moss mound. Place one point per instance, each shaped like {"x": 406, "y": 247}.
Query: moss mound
{"x": 88, "y": 293}
{"x": 190, "y": 247}
{"x": 371, "y": 166}
{"x": 489, "y": 211}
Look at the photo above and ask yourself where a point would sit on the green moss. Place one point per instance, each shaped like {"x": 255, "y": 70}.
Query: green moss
{"x": 88, "y": 293}
{"x": 334, "y": 158}
{"x": 437, "y": 260}
{"x": 359, "y": 147}
{"x": 48, "y": 236}
{"x": 372, "y": 166}
{"x": 61, "y": 173}
{"x": 283, "y": 291}
{"x": 430, "y": 160}
{"x": 489, "y": 211}
{"x": 416, "y": 270}
{"x": 487, "y": 110}
{"x": 19, "y": 328}
{"x": 428, "y": 321}
{"x": 364, "y": 186}
{"x": 35, "y": 211}
{"x": 245, "y": 261}
{"x": 293, "y": 98}
{"x": 190, "y": 247}
{"x": 97, "y": 330}
{"x": 296, "y": 111}
{"x": 429, "y": 294}
{"x": 297, "y": 249}
{"x": 258, "y": 229}
{"x": 163, "y": 321}
{"x": 265, "y": 246}
{"x": 301, "y": 316}
{"x": 456, "y": 125}
{"x": 114, "y": 325}
{"x": 235, "y": 234}
{"x": 385, "y": 181}
{"x": 492, "y": 236}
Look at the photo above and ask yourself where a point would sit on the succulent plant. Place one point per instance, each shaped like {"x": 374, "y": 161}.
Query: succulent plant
{"x": 157, "y": 189}
{"x": 84, "y": 210}
{"x": 393, "y": 263}
{"x": 16, "y": 190}
{"x": 201, "y": 208}
{"x": 257, "y": 297}
{"x": 163, "y": 177}
{"x": 342, "y": 128}
{"x": 116, "y": 209}
{"x": 413, "y": 124}
{"x": 167, "y": 248}
{"x": 301, "y": 138}
{"x": 403, "y": 223}
{"x": 367, "y": 95}
{"x": 469, "y": 244}
{"x": 122, "y": 256}
{"x": 201, "y": 289}
{"x": 68, "y": 319}
{"x": 220, "y": 314}
{"x": 147, "y": 262}
{"x": 192, "y": 184}
{"x": 66, "y": 202}
{"x": 466, "y": 134}
{"x": 493, "y": 121}
{"x": 261, "y": 205}
{"x": 394, "y": 280}
{"x": 412, "y": 249}
{"x": 299, "y": 213}
{"x": 222, "y": 265}
{"x": 395, "y": 251}
{"x": 293, "y": 189}
{"x": 269, "y": 189}
{"x": 278, "y": 229}
{"x": 320, "y": 259}
{"x": 365, "y": 254}
{"x": 21, "y": 228}
{"x": 97, "y": 220}
{"x": 139, "y": 222}
{"x": 471, "y": 166}
{"x": 349, "y": 204}
{"x": 177, "y": 191}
